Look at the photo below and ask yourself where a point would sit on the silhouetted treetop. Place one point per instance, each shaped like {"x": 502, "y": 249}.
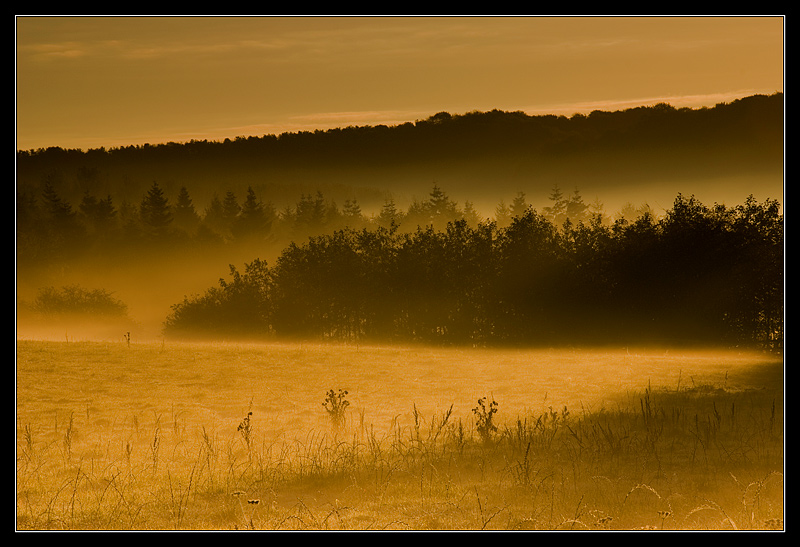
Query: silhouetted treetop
{"x": 754, "y": 118}
{"x": 155, "y": 210}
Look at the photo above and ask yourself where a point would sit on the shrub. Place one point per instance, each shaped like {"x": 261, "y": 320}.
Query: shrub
{"x": 238, "y": 306}
{"x": 74, "y": 300}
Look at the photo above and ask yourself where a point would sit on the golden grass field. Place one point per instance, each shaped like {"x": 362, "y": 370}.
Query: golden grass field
{"x": 158, "y": 436}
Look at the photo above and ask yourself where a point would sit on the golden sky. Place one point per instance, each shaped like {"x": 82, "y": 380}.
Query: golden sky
{"x": 86, "y": 82}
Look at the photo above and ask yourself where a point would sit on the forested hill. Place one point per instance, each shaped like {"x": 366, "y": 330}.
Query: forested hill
{"x": 483, "y": 155}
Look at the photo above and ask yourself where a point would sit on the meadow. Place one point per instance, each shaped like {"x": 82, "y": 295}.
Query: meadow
{"x": 119, "y": 435}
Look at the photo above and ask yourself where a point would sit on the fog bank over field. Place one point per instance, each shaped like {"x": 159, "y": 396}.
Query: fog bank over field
{"x": 155, "y": 224}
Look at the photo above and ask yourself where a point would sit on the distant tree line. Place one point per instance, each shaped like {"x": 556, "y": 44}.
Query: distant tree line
{"x": 699, "y": 274}
{"x": 746, "y": 134}
{"x": 750, "y": 119}
{"x": 51, "y": 229}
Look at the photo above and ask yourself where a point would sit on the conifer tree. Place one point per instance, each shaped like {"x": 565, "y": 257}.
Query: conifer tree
{"x": 253, "y": 220}
{"x": 471, "y": 215}
{"x": 213, "y": 217}
{"x": 502, "y": 215}
{"x": 98, "y": 214}
{"x": 62, "y": 221}
{"x": 186, "y": 217}
{"x": 519, "y": 205}
{"x": 230, "y": 208}
{"x": 557, "y": 212}
{"x": 310, "y": 213}
{"x": 352, "y": 209}
{"x": 58, "y": 209}
{"x": 441, "y": 208}
{"x": 389, "y": 216}
{"x": 155, "y": 211}
{"x": 576, "y": 209}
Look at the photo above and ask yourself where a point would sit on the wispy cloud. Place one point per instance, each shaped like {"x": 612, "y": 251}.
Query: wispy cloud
{"x": 56, "y": 51}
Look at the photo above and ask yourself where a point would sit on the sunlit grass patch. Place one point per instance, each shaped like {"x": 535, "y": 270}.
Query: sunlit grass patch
{"x": 130, "y": 449}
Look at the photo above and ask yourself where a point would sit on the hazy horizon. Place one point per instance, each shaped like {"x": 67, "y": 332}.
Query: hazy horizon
{"x": 90, "y": 82}
{"x": 339, "y": 120}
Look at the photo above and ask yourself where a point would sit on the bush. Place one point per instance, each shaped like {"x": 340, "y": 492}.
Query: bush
{"x": 73, "y": 300}
{"x": 238, "y": 306}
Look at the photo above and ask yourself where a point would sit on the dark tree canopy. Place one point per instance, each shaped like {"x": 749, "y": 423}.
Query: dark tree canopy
{"x": 700, "y": 275}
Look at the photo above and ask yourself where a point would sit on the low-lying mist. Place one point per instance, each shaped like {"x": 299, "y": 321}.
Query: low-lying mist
{"x": 696, "y": 276}
{"x": 157, "y": 226}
